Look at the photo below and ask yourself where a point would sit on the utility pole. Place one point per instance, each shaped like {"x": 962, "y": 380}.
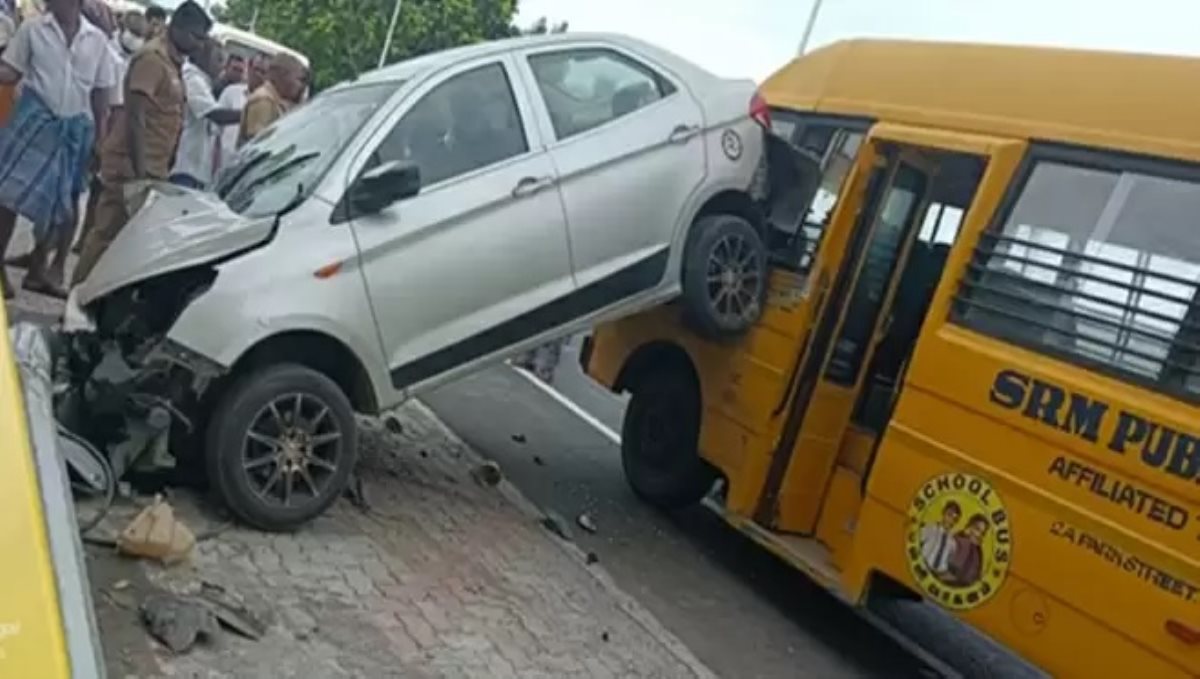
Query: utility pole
{"x": 808, "y": 28}
{"x": 387, "y": 42}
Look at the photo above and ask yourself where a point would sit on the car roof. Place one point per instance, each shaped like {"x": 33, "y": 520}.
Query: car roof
{"x": 428, "y": 63}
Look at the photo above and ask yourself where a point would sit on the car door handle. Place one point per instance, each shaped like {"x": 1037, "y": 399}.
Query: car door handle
{"x": 682, "y": 133}
{"x": 531, "y": 185}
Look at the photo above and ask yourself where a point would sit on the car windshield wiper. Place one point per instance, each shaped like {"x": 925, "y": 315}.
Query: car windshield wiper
{"x": 233, "y": 178}
{"x": 247, "y": 190}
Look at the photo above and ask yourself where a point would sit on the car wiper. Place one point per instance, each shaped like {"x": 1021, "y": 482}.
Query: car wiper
{"x": 232, "y": 179}
{"x": 275, "y": 172}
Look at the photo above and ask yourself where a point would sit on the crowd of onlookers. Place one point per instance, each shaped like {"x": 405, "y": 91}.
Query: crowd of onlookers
{"x": 92, "y": 100}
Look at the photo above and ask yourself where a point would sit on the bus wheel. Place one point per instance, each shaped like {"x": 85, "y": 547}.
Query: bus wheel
{"x": 659, "y": 441}
{"x": 724, "y": 276}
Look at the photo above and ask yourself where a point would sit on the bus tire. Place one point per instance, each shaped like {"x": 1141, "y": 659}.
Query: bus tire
{"x": 724, "y": 276}
{"x": 660, "y": 441}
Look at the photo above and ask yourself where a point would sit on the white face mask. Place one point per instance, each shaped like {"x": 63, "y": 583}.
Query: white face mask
{"x": 130, "y": 42}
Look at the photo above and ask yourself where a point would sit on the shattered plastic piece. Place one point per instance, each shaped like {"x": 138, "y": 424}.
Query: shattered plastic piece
{"x": 586, "y": 522}
{"x": 555, "y": 524}
{"x": 591, "y": 559}
{"x": 155, "y": 533}
{"x": 487, "y": 474}
{"x": 519, "y": 438}
{"x": 232, "y": 612}
{"x": 537, "y": 459}
{"x": 177, "y": 622}
{"x": 393, "y": 425}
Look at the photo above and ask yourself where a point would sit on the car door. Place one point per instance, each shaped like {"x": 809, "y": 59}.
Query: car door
{"x": 625, "y": 139}
{"x": 454, "y": 272}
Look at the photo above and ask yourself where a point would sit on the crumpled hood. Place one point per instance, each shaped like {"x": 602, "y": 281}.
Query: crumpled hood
{"x": 176, "y": 228}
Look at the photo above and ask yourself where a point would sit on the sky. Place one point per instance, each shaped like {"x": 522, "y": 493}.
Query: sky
{"x": 751, "y": 38}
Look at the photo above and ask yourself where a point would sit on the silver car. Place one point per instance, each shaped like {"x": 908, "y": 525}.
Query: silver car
{"x": 404, "y": 229}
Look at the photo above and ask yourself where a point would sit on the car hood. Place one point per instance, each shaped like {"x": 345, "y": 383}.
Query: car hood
{"x": 175, "y": 228}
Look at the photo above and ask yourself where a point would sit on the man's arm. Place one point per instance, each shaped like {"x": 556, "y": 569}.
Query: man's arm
{"x": 99, "y": 103}
{"x": 224, "y": 116}
{"x": 135, "y": 130}
{"x": 15, "y": 60}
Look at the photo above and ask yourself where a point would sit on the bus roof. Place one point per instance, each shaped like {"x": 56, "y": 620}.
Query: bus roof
{"x": 1134, "y": 102}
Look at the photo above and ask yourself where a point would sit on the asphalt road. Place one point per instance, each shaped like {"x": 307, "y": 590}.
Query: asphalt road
{"x": 743, "y": 612}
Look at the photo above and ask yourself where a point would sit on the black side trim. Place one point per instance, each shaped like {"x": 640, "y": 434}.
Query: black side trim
{"x": 635, "y": 278}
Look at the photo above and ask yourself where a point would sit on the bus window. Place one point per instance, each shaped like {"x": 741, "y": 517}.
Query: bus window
{"x": 1107, "y": 278}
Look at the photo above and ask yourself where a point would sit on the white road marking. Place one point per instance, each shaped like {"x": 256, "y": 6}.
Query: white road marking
{"x": 569, "y": 405}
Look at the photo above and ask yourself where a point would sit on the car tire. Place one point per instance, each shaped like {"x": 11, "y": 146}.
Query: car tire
{"x": 281, "y": 446}
{"x": 724, "y": 276}
{"x": 660, "y": 441}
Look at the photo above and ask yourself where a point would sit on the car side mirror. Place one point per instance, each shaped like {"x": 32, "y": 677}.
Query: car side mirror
{"x": 383, "y": 185}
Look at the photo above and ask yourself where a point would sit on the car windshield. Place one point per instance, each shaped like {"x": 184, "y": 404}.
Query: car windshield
{"x": 282, "y": 166}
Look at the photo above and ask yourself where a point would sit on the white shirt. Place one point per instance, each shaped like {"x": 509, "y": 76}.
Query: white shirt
{"x": 116, "y": 93}
{"x": 63, "y": 76}
{"x": 937, "y": 547}
{"x": 199, "y": 137}
{"x": 8, "y": 28}
{"x": 232, "y": 97}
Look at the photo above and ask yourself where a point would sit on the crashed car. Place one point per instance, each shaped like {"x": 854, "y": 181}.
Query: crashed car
{"x": 399, "y": 231}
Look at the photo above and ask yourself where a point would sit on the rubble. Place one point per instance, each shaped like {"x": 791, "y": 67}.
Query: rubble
{"x": 586, "y": 522}
{"x": 487, "y": 474}
{"x": 178, "y": 622}
{"x": 555, "y": 524}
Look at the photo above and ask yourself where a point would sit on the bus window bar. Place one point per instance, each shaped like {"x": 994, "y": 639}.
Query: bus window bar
{"x": 998, "y": 239}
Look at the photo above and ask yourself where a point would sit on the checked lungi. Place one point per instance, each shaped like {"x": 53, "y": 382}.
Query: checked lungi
{"x": 43, "y": 163}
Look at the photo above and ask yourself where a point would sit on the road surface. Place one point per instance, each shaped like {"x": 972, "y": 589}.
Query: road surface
{"x": 741, "y": 611}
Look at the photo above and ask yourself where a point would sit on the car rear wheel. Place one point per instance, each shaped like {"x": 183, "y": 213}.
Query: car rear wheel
{"x": 660, "y": 441}
{"x": 281, "y": 446}
{"x": 724, "y": 276}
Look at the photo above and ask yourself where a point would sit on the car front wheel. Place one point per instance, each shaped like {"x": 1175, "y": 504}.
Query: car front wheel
{"x": 281, "y": 446}
{"x": 724, "y": 276}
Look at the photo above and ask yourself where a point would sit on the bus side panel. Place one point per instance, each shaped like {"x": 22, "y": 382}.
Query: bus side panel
{"x": 1041, "y": 627}
{"x": 1119, "y": 570}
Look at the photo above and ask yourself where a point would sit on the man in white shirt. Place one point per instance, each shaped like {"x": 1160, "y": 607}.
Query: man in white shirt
{"x": 199, "y": 143}
{"x": 66, "y": 70}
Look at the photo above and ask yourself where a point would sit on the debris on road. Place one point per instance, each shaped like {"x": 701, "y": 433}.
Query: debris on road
{"x": 557, "y": 525}
{"x": 487, "y": 474}
{"x": 178, "y": 622}
{"x": 232, "y": 611}
{"x": 519, "y": 438}
{"x": 586, "y": 522}
{"x": 155, "y": 533}
{"x": 591, "y": 559}
{"x": 537, "y": 459}
{"x": 393, "y": 425}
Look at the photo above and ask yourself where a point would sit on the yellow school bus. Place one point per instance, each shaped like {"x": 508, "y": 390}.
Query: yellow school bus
{"x": 976, "y": 377}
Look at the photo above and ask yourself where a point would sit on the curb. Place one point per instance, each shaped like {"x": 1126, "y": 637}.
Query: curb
{"x": 643, "y": 617}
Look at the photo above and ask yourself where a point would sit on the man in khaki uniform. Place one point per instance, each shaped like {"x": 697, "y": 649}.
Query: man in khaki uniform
{"x": 142, "y": 140}
{"x": 282, "y": 90}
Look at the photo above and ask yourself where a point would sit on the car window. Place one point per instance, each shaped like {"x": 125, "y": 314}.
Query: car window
{"x": 468, "y": 122}
{"x": 584, "y": 89}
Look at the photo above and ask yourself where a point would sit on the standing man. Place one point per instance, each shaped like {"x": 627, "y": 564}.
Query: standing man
{"x": 233, "y": 73}
{"x": 282, "y": 90}
{"x": 142, "y": 142}
{"x": 65, "y": 70}
{"x": 233, "y": 97}
{"x": 156, "y": 22}
{"x": 196, "y": 158}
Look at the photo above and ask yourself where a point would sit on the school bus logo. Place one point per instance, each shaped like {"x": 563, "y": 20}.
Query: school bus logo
{"x": 959, "y": 544}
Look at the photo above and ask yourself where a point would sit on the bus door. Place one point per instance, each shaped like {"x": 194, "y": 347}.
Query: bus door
{"x": 843, "y": 395}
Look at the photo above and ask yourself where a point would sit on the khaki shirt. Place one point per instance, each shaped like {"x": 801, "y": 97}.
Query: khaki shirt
{"x": 264, "y": 107}
{"x": 154, "y": 73}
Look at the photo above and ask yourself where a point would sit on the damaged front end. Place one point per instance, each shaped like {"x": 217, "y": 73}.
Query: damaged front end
{"x": 120, "y": 383}
{"x": 124, "y": 386}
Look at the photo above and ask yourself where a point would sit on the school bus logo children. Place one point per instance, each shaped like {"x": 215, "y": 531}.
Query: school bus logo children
{"x": 959, "y": 543}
